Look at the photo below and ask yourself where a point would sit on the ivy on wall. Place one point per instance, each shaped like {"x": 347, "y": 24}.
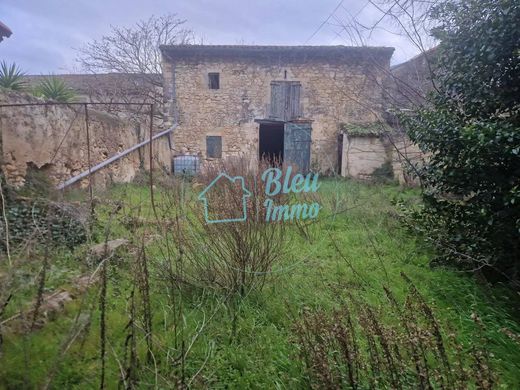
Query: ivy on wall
{"x": 39, "y": 220}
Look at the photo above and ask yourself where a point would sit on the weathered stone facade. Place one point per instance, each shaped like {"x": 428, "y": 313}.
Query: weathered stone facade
{"x": 53, "y": 139}
{"x": 363, "y": 154}
{"x": 338, "y": 85}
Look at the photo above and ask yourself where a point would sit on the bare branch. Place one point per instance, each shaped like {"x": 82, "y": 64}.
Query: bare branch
{"x": 135, "y": 50}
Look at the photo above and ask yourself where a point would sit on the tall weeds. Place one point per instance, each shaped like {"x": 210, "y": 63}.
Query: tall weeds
{"x": 103, "y": 321}
{"x": 399, "y": 346}
{"x": 143, "y": 285}
{"x": 130, "y": 352}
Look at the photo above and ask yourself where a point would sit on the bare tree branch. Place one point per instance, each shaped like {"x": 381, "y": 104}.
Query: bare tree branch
{"x": 135, "y": 50}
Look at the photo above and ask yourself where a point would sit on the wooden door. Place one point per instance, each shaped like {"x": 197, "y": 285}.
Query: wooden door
{"x": 297, "y": 146}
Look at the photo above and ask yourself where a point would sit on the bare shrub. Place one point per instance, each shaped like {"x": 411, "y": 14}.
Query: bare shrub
{"x": 234, "y": 256}
{"x": 360, "y": 345}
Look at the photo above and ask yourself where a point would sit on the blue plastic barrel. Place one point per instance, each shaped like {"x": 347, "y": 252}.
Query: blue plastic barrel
{"x": 186, "y": 165}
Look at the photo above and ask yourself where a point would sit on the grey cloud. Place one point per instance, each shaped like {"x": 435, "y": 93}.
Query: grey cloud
{"x": 45, "y": 32}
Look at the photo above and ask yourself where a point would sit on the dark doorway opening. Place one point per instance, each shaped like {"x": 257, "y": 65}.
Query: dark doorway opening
{"x": 271, "y": 142}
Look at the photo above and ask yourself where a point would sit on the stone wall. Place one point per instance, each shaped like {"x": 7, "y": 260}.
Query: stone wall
{"x": 405, "y": 155}
{"x": 362, "y": 155}
{"x": 53, "y": 139}
{"x": 342, "y": 88}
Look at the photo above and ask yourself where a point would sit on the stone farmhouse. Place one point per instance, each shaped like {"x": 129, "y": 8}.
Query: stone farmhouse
{"x": 317, "y": 107}
{"x": 320, "y": 108}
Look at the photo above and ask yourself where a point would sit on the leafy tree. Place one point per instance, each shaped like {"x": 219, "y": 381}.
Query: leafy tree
{"x": 53, "y": 88}
{"x": 11, "y": 77}
{"x": 471, "y": 133}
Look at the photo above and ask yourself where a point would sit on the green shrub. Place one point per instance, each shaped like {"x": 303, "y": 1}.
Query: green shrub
{"x": 31, "y": 220}
{"x": 471, "y": 132}
{"x": 11, "y": 77}
{"x": 31, "y": 216}
{"x": 53, "y": 88}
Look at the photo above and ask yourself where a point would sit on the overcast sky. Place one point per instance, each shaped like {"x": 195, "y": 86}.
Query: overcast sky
{"x": 45, "y": 32}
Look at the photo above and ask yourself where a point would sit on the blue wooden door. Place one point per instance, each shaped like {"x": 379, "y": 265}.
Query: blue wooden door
{"x": 297, "y": 146}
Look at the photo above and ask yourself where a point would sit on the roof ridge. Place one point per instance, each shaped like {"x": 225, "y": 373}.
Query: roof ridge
{"x": 282, "y": 52}
{"x": 196, "y": 46}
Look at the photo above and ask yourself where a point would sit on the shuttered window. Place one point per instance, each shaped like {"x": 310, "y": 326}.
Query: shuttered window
{"x": 285, "y": 100}
{"x": 213, "y": 146}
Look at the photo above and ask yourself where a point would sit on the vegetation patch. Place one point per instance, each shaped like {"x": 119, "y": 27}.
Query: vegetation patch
{"x": 178, "y": 316}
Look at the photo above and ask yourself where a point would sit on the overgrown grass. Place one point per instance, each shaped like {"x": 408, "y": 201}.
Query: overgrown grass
{"x": 250, "y": 342}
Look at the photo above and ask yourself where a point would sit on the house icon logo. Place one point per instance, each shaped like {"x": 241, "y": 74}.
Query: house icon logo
{"x": 228, "y": 192}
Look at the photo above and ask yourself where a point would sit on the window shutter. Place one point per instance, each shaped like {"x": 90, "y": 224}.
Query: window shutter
{"x": 278, "y": 97}
{"x": 294, "y": 101}
{"x": 285, "y": 100}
